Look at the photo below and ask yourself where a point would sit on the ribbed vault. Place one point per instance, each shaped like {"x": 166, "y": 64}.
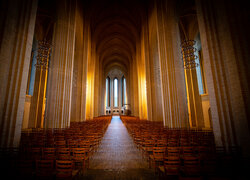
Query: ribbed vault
{"x": 115, "y": 31}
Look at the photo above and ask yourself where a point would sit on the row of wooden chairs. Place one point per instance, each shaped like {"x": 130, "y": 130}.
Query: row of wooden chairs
{"x": 147, "y": 132}
{"x": 47, "y": 169}
{"x": 176, "y": 151}
{"x": 180, "y": 159}
{"x": 56, "y": 152}
{"x": 36, "y": 162}
{"x": 78, "y": 132}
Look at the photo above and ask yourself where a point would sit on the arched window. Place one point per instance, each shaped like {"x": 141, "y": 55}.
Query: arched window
{"x": 107, "y": 92}
{"x": 115, "y": 92}
{"x": 124, "y": 90}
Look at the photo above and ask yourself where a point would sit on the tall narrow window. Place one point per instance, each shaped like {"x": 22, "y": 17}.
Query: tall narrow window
{"x": 107, "y": 92}
{"x": 116, "y": 92}
{"x": 122, "y": 98}
{"x": 32, "y": 72}
{"x": 200, "y": 74}
{"x": 124, "y": 91}
{"x": 199, "y": 70}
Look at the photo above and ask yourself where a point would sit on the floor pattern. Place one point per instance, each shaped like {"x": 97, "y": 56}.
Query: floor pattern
{"x": 117, "y": 157}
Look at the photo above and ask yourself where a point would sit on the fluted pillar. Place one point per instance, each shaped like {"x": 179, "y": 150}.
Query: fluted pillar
{"x": 141, "y": 71}
{"x": 97, "y": 86}
{"x": 61, "y": 67}
{"x": 131, "y": 90}
{"x": 38, "y": 99}
{"x": 86, "y": 52}
{"x": 78, "y": 100}
{"x": 103, "y": 94}
{"x": 16, "y": 38}
{"x": 225, "y": 40}
{"x": 128, "y": 90}
{"x": 194, "y": 99}
{"x": 147, "y": 70}
{"x": 90, "y": 83}
{"x": 135, "y": 110}
{"x": 172, "y": 72}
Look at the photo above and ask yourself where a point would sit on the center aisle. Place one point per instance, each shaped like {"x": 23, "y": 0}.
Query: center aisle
{"x": 117, "y": 157}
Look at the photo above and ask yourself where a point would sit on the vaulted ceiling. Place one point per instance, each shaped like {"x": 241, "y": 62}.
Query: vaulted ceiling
{"x": 115, "y": 30}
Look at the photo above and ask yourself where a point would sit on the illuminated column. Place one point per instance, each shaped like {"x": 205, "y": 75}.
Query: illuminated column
{"x": 131, "y": 90}
{"x": 37, "y": 106}
{"x": 78, "y": 101}
{"x": 86, "y": 57}
{"x": 90, "y": 82}
{"x": 102, "y": 91}
{"x": 61, "y": 67}
{"x": 97, "y": 86}
{"x": 153, "y": 69}
{"x": 173, "y": 93}
{"x": 145, "y": 53}
{"x": 135, "y": 110}
{"x": 17, "y": 31}
{"x": 103, "y": 95}
{"x": 141, "y": 81}
{"x": 194, "y": 100}
{"x": 128, "y": 90}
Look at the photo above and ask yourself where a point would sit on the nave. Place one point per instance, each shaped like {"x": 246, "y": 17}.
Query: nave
{"x": 117, "y": 156}
{"x": 98, "y": 149}
{"x": 175, "y": 71}
{"x": 122, "y": 147}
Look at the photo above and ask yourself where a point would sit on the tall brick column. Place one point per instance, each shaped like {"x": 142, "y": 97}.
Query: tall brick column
{"x": 194, "y": 100}
{"x": 225, "y": 38}
{"x": 58, "y": 106}
{"x": 38, "y": 99}
{"x": 17, "y": 33}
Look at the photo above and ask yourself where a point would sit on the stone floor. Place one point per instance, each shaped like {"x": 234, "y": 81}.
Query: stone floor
{"x": 117, "y": 157}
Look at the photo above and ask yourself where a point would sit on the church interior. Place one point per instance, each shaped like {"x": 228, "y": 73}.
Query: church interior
{"x": 115, "y": 89}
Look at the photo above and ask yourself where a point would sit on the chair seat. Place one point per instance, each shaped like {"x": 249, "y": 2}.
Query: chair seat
{"x": 75, "y": 172}
{"x": 65, "y": 169}
{"x": 64, "y": 176}
{"x": 161, "y": 159}
{"x": 162, "y": 169}
{"x": 151, "y": 156}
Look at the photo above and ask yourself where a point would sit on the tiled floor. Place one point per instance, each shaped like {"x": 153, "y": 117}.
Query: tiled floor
{"x": 117, "y": 157}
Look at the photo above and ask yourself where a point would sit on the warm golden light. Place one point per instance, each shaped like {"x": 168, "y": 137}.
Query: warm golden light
{"x": 89, "y": 96}
{"x": 143, "y": 98}
{"x": 142, "y": 86}
{"x": 90, "y": 86}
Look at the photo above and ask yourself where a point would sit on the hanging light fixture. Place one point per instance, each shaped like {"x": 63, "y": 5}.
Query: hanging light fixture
{"x": 188, "y": 54}
{"x": 43, "y": 54}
